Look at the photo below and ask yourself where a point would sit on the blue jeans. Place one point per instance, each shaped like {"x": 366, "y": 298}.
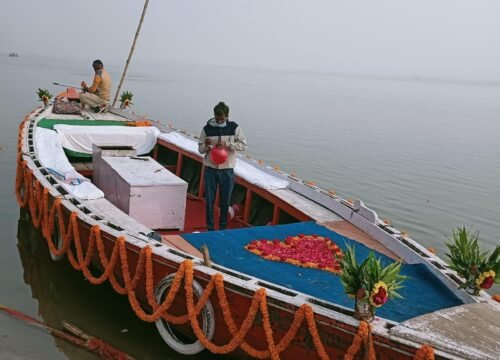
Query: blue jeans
{"x": 224, "y": 179}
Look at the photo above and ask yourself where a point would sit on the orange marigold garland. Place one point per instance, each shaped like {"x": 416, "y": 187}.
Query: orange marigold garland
{"x": 298, "y": 318}
{"x": 310, "y": 251}
{"x": 266, "y": 323}
{"x": 424, "y": 353}
{"x": 363, "y": 337}
{"x": 311, "y": 324}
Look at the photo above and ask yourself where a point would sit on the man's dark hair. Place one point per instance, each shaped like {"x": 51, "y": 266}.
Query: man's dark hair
{"x": 97, "y": 62}
{"x": 221, "y": 109}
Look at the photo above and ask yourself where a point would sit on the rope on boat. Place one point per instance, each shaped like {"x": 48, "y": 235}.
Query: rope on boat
{"x": 31, "y": 193}
{"x": 97, "y": 346}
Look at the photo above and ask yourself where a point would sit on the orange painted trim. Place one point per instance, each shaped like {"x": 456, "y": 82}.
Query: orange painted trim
{"x": 201, "y": 188}
{"x": 248, "y": 203}
{"x": 155, "y": 152}
{"x": 178, "y": 169}
{"x": 276, "y": 214}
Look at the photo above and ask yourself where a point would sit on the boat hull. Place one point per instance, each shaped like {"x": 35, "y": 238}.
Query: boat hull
{"x": 277, "y": 325}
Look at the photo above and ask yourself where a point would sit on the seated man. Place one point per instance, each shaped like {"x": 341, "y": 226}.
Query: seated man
{"x": 98, "y": 94}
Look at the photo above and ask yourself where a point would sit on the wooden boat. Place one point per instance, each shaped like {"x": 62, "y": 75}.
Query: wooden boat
{"x": 139, "y": 223}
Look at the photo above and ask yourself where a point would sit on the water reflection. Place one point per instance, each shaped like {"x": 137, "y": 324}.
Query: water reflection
{"x": 63, "y": 293}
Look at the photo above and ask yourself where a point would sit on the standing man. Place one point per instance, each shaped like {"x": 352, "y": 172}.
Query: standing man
{"x": 224, "y": 134}
{"x": 98, "y": 94}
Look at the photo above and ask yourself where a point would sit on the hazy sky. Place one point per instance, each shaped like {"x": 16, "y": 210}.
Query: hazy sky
{"x": 430, "y": 38}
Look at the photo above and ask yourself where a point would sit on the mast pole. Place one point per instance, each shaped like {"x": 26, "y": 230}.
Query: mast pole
{"x": 131, "y": 52}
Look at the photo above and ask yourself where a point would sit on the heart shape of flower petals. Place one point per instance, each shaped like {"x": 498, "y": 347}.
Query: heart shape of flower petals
{"x": 312, "y": 251}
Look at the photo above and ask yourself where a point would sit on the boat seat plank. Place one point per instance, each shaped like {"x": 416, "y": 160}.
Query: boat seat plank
{"x": 346, "y": 229}
{"x": 312, "y": 209}
{"x": 178, "y": 242}
{"x": 102, "y": 116}
{"x": 54, "y": 116}
{"x": 111, "y": 213}
{"x": 469, "y": 331}
{"x": 83, "y": 166}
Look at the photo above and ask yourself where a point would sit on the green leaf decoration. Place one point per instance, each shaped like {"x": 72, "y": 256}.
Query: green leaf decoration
{"x": 467, "y": 259}
{"x": 126, "y": 95}
{"x": 43, "y": 92}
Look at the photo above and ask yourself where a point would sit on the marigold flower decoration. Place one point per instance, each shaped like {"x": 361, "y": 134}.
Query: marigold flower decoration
{"x": 479, "y": 270}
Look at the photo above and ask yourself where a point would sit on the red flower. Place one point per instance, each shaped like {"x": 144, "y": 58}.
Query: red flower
{"x": 487, "y": 283}
{"x": 380, "y": 298}
{"x": 302, "y": 250}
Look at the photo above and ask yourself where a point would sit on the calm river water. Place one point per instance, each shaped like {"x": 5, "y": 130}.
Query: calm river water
{"x": 423, "y": 154}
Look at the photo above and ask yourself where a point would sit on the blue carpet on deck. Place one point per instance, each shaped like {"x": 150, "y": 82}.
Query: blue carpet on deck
{"x": 422, "y": 292}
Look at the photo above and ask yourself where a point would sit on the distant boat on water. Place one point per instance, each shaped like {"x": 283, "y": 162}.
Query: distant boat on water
{"x": 13, "y": 54}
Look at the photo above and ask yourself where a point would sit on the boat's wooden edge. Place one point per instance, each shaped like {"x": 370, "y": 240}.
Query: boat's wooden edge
{"x": 178, "y": 242}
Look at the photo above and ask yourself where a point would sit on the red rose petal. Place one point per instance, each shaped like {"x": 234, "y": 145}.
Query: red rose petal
{"x": 304, "y": 250}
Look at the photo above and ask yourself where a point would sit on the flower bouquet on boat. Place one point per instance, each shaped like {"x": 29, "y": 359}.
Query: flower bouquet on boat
{"x": 369, "y": 283}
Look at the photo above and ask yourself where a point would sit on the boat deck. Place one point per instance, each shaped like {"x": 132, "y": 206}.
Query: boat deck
{"x": 227, "y": 248}
{"x": 179, "y": 243}
{"x": 467, "y": 331}
{"x": 87, "y": 115}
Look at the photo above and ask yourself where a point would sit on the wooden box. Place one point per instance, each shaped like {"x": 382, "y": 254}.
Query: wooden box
{"x": 142, "y": 188}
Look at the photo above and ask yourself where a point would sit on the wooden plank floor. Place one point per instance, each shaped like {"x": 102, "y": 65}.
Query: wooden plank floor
{"x": 177, "y": 242}
{"x": 348, "y": 230}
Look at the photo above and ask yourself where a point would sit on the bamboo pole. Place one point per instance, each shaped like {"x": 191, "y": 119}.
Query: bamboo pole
{"x": 206, "y": 256}
{"x": 131, "y": 52}
{"x": 77, "y": 336}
